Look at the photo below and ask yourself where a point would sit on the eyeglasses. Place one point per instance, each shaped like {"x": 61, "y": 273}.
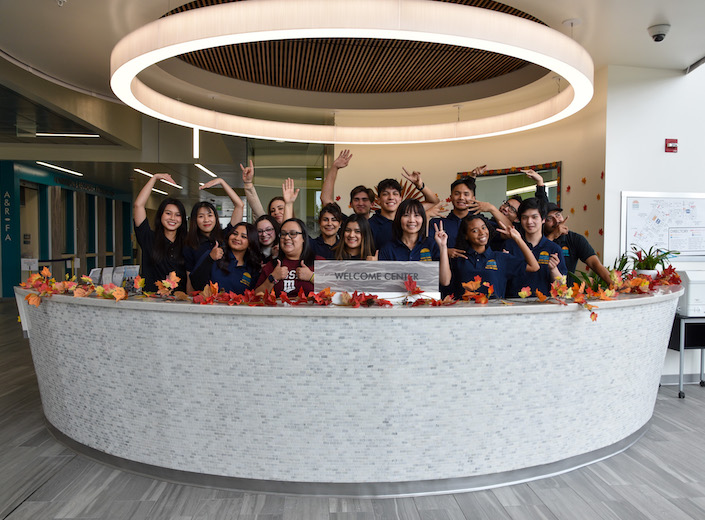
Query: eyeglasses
{"x": 291, "y": 234}
{"x": 265, "y": 231}
{"x": 509, "y": 207}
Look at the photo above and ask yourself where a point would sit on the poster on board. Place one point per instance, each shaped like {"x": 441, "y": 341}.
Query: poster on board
{"x": 667, "y": 221}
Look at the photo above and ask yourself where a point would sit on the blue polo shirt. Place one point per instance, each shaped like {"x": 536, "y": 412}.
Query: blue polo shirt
{"x": 451, "y": 225}
{"x": 381, "y": 230}
{"x": 494, "y": 267}
{"x": 540, "y": 280}
{"x": 237, "y": 279}
{"x": 322, "y": 249}
{"x": 424, "y": 251}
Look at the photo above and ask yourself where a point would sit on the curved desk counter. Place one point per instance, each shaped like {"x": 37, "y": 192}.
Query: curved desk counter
{"x": 343, "y": 401}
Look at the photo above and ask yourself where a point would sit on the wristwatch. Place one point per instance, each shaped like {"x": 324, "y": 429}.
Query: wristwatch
{"x": 272, "y": 279}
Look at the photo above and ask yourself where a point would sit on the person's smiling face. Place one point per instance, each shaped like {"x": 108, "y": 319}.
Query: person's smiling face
{"x": 291, "y": 240}
{"x": 477, "y": 234}
{"x": 171, "y": 218}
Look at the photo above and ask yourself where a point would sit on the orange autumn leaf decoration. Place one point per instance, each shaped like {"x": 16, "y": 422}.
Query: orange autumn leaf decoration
{"x": 167, "y": 286}
{"x": 411, "y": 286}
{"x": 33, "y": 299}
{"x": 541, "y": 296}
{"x": 46, "y": 273}
{"x": 525, "y": 292}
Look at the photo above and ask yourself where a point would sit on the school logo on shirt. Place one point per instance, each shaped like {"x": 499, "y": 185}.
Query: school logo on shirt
{"x": 425, "y": 255}
{"x": 566, "y": 251}
{"x": 246, "y": 279}
{"x": 290, "y": 281}
{"x": 491, "y": 264}
{"x": 544, "y": 257}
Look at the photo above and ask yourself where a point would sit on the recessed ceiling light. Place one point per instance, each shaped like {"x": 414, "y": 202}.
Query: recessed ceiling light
{"x": 138, "y": 170}
{"x": 203, "y": 168}
{"x": 51, "y": 134}
{"x": 55, "y": 167}
{"x": 143, "y": 172}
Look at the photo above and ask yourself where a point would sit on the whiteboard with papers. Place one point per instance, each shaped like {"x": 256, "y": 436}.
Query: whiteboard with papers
{"x": 668, "y": 221}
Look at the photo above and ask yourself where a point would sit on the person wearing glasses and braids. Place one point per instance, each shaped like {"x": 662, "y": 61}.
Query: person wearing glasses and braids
{"x": 293, "y": 268}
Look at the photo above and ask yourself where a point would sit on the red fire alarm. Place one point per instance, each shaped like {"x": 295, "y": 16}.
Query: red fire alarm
{"x": 672, "y": 145}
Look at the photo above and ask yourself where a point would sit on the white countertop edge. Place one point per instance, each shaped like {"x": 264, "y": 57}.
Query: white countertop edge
{"x": 528, "y": 306}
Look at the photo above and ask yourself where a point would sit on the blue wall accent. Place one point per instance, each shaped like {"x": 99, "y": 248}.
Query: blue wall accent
{"x": 10, "y": 190}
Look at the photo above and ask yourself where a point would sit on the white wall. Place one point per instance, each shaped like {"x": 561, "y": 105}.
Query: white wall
{"x": 577, "y": 141}
{"x": 644, "y": 107}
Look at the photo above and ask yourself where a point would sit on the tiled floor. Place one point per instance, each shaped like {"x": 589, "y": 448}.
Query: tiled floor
{"x": 661, "y": 477}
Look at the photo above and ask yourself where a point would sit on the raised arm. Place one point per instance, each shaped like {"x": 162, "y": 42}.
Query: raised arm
{"x": 532, "y": 264}
{"x": 248, "y": 178}
{"x": 328, "y": 188}
{"x": 239, "y": 207}
{"x": 430, "y": 198}
{"x": 486, "y": 207}
{"x": 289, "y": 194}
{"x": 138, "y": 208}
{"x": 441, "y": 237}
{"x": 540, "y": 188}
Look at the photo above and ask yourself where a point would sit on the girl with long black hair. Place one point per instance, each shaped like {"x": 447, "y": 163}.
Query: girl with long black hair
{"x": 162, "y": 248}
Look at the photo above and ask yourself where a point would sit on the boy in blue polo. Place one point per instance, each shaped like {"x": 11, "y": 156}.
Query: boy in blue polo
{"x": 532, "y": 216}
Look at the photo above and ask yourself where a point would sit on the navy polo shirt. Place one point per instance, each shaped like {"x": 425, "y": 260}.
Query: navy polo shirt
{"x": 381, "y": 230}
{"x": 451, "y": 225}
{"x": 238, "y": 279}
{"x": 494, "y": 267}
{"x": 424, "y": 250}
{"x": 574, "y": 247}
{"x": 321, "y": 248}
{"x": 540, "y": 280}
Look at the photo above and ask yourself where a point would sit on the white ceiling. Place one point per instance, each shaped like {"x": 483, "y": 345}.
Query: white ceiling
{"x": 73, "y": 43}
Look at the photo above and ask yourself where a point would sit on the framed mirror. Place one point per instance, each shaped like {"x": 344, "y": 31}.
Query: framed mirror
{"x": 496, "y": 186}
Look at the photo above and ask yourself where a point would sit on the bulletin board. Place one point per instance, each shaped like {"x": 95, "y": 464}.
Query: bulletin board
{"x": 668, "y": 221}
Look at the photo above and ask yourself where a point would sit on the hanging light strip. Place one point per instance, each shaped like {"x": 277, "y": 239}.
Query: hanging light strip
{"x": 415, "y": 20}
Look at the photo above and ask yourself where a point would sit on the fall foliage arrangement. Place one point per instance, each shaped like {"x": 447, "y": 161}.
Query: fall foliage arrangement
{"x": 44, "y": 285}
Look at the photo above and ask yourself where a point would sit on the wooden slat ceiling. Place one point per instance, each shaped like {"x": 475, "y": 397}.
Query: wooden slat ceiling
{"x": 355, "y": 65}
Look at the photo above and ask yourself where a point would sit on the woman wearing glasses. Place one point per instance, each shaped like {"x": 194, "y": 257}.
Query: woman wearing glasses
{"x": 293, "y": 268}
{"x": 268, "y": 233}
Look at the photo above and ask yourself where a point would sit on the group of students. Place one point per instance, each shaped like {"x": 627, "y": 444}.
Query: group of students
{"x": 509, "y": 250}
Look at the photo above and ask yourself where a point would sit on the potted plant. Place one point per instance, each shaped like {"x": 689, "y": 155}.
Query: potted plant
{"x": 646, "y": 262}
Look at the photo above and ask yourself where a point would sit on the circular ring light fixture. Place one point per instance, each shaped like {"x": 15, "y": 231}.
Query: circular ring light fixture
{"x": 417, "y": 20}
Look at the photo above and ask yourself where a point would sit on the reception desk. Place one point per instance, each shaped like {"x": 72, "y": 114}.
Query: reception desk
{"x": 343, "y": 401}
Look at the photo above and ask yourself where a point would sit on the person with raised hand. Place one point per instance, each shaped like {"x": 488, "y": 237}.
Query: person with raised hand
{"x": 248, "y": 181}
{"x": 532, "y": 215}
{"x": 234, "y": 267}
{"x": 162, "y": 248}
{"x": 289, "y": 195}
{"x": 204, "y": 225}
{"x": 389, "y": 196}
{"x": 496, "y": 268}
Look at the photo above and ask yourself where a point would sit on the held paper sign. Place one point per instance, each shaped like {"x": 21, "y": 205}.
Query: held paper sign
{"x": 374, "y": 277}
